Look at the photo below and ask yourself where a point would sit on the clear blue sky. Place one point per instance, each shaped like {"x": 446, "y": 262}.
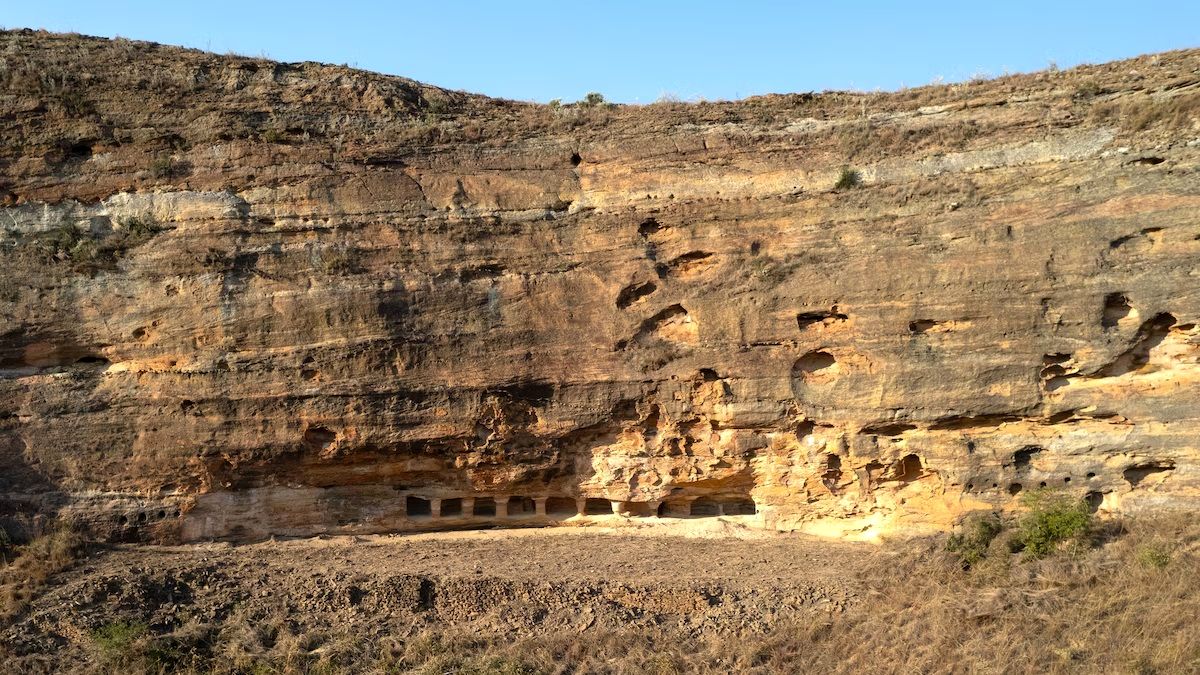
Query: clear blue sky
{"x": 637, "y": 51}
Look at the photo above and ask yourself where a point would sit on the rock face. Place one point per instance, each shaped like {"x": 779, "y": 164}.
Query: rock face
{"x": 242, "y": 298}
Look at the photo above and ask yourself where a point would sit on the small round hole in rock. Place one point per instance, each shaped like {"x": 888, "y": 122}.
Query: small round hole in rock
{"x": 318, "y": 437}
{"x": 576, "y": 160}
{"x": 1014, "y": 489}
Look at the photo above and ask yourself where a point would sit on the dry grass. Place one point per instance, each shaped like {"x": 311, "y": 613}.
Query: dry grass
{"x": 30, "y": 565}
{"x": 1142, "y": 112}
{"x": 1126, "y": 605}
{"x": 868, "y": 140}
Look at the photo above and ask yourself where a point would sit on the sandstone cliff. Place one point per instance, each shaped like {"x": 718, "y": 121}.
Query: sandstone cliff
{"x": 242, "y": 298}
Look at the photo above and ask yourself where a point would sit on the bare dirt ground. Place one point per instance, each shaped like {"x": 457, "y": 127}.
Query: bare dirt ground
{"x": 691, "y": 597}
{"x": 719, "y": 580}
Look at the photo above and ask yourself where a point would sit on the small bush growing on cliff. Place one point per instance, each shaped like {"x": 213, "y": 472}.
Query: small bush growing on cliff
{"x": 162, "y": 167}
{"x": 274, "y": 135}
{"x": 1052, "y": 520}
{"x": 848, "y": 179}
{"x": 437, "y": 106}
{"x": 1088, "y": 89}
{"x": 75, "y": 103}
{"x": 137, "y": 231}
{"x": 66, "y": 246}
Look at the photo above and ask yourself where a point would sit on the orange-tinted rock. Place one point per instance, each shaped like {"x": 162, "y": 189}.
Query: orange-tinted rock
{"x": 243, "y": 298}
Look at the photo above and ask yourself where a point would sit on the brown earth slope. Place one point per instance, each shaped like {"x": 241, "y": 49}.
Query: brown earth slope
{"x": 242, "y": 298}
{"x": 559, "y": 601}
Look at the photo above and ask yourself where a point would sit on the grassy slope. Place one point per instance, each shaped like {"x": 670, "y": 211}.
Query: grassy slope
{"x": 1126, "y": 604}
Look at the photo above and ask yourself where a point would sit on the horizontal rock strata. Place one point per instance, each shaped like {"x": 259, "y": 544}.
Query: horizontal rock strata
{"x": 242, "y": 298}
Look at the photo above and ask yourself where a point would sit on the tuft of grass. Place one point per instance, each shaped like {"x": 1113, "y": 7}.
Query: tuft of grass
{"x": 848, "y": 179}
{"x": 117, "y": 641}
{"x": 1154, "y": 555}
{"x": 865, "y": 139}
{"x": 1052, "y": 520}
{"x": 275, "y": 136}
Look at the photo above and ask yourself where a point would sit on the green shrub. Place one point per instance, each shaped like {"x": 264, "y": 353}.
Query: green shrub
{"x": 593, "y": 98}
{"x": 972, "y": 542}
{"x": 848, "y": 179}
{"x": 1053, "y": 518}
{"x": 59, "y": 241}
{"x": 139, "y": 229}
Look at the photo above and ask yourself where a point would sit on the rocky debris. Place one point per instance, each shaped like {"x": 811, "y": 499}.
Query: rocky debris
{"x": 488, "y": 583}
